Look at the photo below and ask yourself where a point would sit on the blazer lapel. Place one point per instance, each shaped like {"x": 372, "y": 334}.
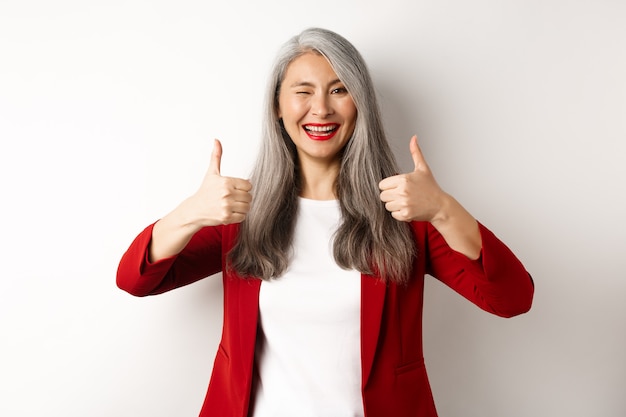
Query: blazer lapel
{"x": 373, "y": 292}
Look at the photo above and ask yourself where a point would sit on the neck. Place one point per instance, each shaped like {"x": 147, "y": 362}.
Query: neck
{"x": 318, "y": 182}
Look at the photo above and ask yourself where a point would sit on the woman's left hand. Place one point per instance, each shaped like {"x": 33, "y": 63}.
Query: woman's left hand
{"x": 414, "y": 196}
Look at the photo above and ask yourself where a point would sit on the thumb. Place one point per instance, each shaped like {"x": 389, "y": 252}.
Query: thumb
{"x": 216, "y": 158}
{"x": 416, "y": 153}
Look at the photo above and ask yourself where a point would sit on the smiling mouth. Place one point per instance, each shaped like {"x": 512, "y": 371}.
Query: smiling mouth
{"x": 321, "y": 132}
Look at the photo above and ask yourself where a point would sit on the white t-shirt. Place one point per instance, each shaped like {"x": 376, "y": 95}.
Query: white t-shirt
{"x": 308, "y": 353}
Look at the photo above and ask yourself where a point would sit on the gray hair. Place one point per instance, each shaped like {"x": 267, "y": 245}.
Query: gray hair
{"x": 369, "y": 239}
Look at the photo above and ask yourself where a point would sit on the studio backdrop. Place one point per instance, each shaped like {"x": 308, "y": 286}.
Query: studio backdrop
{"x": 108, "y": 111}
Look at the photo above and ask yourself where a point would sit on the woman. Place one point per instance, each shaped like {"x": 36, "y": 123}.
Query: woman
{"x": 323, "y": 252}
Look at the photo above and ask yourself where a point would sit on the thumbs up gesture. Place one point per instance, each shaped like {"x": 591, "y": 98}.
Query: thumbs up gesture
{"x": 415, "y": 195}
{"x": 219, "y": 200}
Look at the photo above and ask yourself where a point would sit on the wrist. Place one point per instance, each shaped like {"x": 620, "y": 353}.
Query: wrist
{"x": 458, "y": 227}
{"x": 184, "y": 219}
{"x": 445, "y": 212}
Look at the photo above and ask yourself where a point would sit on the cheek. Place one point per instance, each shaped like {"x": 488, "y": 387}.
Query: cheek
{"x": 350, "y": 115}
{"x": 289, "y": 110}
{"x": 348, "y": 110}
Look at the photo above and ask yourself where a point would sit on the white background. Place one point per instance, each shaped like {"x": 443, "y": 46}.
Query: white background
{"x": 107, "y": 114}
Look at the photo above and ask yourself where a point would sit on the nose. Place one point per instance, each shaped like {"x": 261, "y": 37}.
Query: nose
{"x": 321, "y": 106}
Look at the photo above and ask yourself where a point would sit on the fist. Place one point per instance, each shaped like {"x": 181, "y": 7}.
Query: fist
{"x": 414, "y": 196}
{"x": 220, "y": 200}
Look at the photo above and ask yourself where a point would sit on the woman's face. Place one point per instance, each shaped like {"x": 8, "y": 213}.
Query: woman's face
{"x": 317, "y": 111}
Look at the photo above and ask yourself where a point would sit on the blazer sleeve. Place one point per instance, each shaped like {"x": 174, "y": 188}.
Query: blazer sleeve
{"x": 497, "y": 281}
{"x": 200, "y": 258}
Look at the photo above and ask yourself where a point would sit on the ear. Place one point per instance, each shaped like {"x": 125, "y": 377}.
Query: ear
{"x": 276, "y": 104}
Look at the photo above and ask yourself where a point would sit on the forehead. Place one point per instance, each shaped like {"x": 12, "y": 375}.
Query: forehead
{"x": 309, "y": 67}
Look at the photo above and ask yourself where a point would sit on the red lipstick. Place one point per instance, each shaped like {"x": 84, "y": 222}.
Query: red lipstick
{"x": 321, "y": 131}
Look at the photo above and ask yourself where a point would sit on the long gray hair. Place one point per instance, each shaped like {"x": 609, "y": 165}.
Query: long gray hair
{"x": 368, "y": 239}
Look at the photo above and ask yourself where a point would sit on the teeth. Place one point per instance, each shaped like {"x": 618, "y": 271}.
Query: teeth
{"x": 320, "y": 128}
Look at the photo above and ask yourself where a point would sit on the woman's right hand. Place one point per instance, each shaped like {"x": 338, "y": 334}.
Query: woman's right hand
{"x": 219, "y": 200}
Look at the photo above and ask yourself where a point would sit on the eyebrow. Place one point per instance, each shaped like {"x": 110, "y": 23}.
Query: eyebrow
{"x": 310, "y": 84}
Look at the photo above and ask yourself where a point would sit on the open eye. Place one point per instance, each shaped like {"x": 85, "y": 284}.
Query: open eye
{"x": 339, "y": 90}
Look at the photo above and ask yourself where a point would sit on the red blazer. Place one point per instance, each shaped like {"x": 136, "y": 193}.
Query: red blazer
{"x": 394, "y": 380}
